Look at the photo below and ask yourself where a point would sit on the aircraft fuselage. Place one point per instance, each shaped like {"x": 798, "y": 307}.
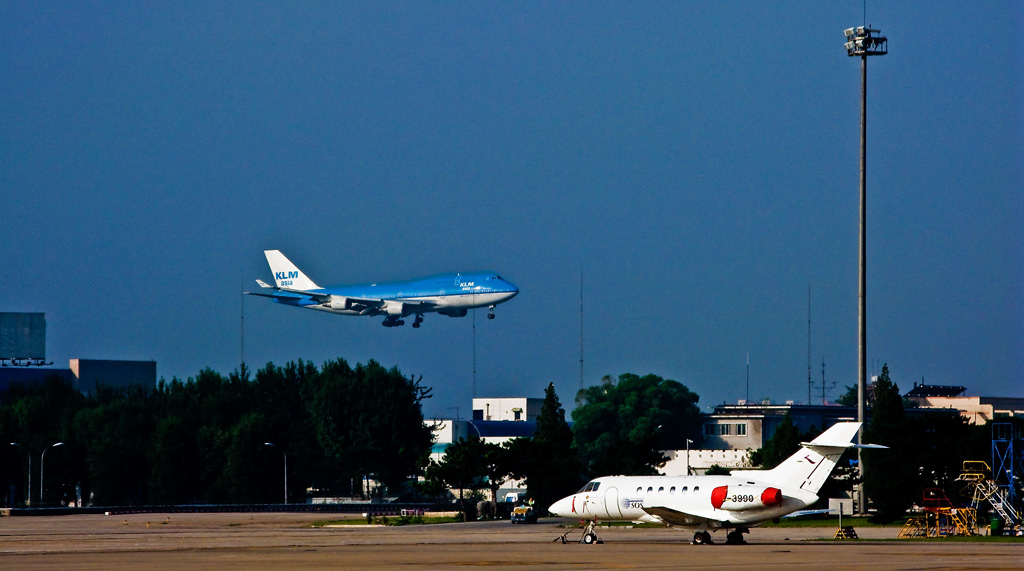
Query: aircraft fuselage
{"x": 700, "y": 502}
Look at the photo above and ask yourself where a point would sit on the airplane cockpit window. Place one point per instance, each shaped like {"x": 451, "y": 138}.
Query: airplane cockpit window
{"x": 591, "y": 486}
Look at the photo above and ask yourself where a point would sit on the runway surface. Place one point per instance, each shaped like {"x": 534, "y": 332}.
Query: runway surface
{"x": 287, "y": 541}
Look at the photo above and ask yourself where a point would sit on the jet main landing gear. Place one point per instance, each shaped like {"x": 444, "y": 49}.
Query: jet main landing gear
{"x": 735, "y": 537}
{"x": 416, "y": 323}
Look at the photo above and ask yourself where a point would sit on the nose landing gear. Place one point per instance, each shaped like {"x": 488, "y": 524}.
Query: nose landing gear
{"x": 702, "y": 538}
{"x": 490, "y": 312}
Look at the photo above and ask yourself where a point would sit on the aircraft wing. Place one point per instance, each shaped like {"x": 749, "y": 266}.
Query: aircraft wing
{"x": 277, "y": 293}
{"x": 802, "y": 513}
{"x": 364, "y": 306}
{"x": 676, "y": 517}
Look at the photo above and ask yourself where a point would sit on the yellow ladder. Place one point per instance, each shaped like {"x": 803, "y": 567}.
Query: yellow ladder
{"x": 912, "y": 528}
{"x": 846, "y": 533}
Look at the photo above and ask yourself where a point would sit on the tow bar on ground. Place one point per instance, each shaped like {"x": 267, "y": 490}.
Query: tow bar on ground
{"x": 589, "y": 536}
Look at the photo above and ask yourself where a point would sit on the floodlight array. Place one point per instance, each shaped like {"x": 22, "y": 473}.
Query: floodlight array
{"x": 865, "y": 41}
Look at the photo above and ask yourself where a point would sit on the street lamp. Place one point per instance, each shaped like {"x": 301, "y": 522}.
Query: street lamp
{"x": 272, "y": 445}
{"x": 863, "y": 41}
{"x": 28, "y": 490}
{"x": 42, "y": 459}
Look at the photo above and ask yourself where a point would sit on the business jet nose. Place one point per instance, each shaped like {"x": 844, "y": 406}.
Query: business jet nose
{"x": 561, "y": 508}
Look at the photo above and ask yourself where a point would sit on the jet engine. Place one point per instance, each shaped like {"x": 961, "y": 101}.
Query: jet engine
{"x": 744, "y": 497}
{"x": 340, "y": 302}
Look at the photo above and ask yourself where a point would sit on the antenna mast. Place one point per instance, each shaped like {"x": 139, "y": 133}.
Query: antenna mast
{"x": 748, "y": 377}
{"x": 581, "y": 326}
{"x": 808, "y": 343}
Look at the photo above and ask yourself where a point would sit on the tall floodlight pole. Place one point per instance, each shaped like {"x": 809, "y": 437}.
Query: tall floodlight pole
{"x": 272, "y": 445}
{"x": 42, "y": 459}
{"x": 863, "y": 41}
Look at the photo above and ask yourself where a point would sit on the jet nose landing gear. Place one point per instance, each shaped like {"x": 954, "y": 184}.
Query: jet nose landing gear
{"x": 702, "y": 538}
{"x": 490, "y": 312}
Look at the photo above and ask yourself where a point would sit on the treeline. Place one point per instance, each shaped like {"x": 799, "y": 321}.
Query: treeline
{"x": 204, "y": 440}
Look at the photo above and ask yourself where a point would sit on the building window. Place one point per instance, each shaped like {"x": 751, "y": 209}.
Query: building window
{"x": 741, "y": 430}
{"x": 726, "y": 429}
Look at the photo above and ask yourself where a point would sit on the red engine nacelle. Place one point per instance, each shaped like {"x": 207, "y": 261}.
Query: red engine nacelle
{"x": 744, "y": 498}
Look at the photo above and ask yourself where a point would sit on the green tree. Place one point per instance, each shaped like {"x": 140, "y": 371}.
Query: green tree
{"x": 368, "y": 420}
{"x": 891, "y": 476}
{"x": 622, "y": 427}
{"x": 463, "y": 467}
{"x": 548, "y": 461}
{"x": 117, "y": 424}
{"x": 849, "y": 398}
{"x": 36, "y": 416}
{"x": 497, "y": 467}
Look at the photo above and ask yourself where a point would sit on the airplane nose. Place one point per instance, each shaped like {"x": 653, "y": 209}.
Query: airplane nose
{"x": 561, "y": 508}
{"x": 511, "y": 292}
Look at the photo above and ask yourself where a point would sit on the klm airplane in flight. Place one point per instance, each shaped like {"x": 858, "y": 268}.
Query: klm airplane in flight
{"x": 448, "y": 294}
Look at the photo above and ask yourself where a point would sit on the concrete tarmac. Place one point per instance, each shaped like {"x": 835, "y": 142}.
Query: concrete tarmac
{"x": 287, "y": 541}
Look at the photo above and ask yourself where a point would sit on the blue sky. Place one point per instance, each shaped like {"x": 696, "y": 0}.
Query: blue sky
{"x": 698, "y": 162}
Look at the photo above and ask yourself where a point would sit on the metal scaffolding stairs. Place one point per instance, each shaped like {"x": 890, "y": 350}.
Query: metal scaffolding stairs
{"x": 982, "y": 489}
{"x": 940, "y": 518}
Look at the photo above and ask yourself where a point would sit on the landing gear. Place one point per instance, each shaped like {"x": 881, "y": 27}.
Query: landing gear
{"x": 490, "y": 312}
{"x": 702, "y": 538}
{"x": 393, "y": 322}
{"x": 416, "y": 323}
{"x": 735, "y": 537}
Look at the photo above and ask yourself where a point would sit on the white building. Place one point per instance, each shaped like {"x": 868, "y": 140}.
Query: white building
{"x": 514, "y": 409}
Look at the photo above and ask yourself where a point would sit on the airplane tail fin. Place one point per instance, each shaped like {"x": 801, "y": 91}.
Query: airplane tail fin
{"x": 813, "y": 463}
{"x": 286, "y": 275}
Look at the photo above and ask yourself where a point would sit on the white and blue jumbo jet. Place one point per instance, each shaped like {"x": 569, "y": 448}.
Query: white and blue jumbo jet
{"x": 737, "y": 502}
{"x": 448, "y": 294}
